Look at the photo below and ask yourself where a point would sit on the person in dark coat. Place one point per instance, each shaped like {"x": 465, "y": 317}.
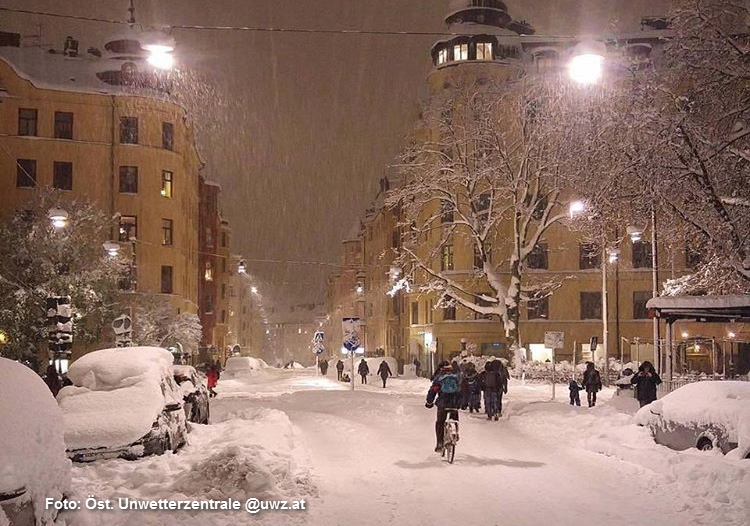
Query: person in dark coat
{"x": 339, "y": 370}
{"x": 52, "y": 379}
{"x": 445, "y": 386}
{"x": 645, "y": 382}
{"x": 472, "y": 386}
{"x": 497, "y": 365}
{"x": 491, "y": 383}
{"x": 469, "y": 369}
{"x": 323, "y": 367}
{"x": 592, "y": 382}
{"x": 417, "y": 367}
{"x": 574, "y": 387}
{"x": 384, "y": 372}
{"x": 363, "y": 370}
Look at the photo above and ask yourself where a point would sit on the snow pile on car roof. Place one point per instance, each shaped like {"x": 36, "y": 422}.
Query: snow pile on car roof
{"x": 723, "y": 403}
{"x": 33, "y": 452}
{"x": 116, "y": 396}
{"x": 242, "y": 363}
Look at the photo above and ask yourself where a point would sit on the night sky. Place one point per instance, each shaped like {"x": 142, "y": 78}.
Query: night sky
{"x": 298, "y": 128}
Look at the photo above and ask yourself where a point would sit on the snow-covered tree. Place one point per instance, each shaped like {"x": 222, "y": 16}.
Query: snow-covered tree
{"x": 487, "y": 174}
{"x": 156, "y": 322}
{"x": 38, "y": 261}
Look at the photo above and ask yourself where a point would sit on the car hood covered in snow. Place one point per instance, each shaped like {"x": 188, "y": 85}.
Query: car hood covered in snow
{"x": 116, "y": 396}
{"x": 720, "y": 403}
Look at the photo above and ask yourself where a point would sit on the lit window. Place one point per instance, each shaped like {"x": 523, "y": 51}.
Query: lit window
{"x": 208, "y": 273}
{"x": 442, "y": 56}
{"x": 461, "y": 52}
{"x": 166, "y": 183}
{"x": 128, "y": 228}
{"x": 446, "y": 261}
{"x": 484, "y": 51}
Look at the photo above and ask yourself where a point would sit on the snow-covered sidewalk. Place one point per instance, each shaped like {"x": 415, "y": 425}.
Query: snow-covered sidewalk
{"x": 366, "y": 458}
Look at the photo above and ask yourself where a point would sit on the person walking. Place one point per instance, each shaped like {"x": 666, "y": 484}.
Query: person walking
{"x": 645, "y": 382}
{"x": 592, "y": 382}
{"x": 339, "y": 370}
{"x": 491, "y": 385}
{"x": 504, "y": 375}
{"x": 212, "y": 379}
{"x": 384, "y": 371}
{"x": 323, "y": 367}
{"x": 52, "y": 379}
{"x": 363, "y": 371}
{"x": 474, "y": 390}
{"x": 417, "y": 367}
{"x": 574, "y": 387}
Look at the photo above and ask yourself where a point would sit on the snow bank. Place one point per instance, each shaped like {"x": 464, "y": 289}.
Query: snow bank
{"x": 721, "y": 403}
{"x": 116, "y": 396}
{"x": 32, "y": 452}
{"x": 238, "y": 365}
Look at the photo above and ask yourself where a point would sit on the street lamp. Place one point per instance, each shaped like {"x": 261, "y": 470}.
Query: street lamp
{"x": 159, "y": 47}
{"x": 58, "y": 217}
{"x": 587, "y": 62}
{"x": 254, "y": 289}
{"x": 360, "y": 289}
{"x": 241, "y": 268}
{"x": 112, "y": 248}
{"x": 576, "y": 208}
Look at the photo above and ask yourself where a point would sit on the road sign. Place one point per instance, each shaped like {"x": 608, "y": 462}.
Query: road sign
{"x": 319, "y": 336}
{"x": 554, "y": 339}
{"x": 351, "y": 328}
{"x": 594, "y": 343}
{"x": 318, "y": 348}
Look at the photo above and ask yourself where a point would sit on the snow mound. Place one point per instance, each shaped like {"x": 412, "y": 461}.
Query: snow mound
{"x": 722, "y": 403}
{"x": 116, "y": 396}
{"x": 114, "y": 368}
{"x": 32, "y": 454}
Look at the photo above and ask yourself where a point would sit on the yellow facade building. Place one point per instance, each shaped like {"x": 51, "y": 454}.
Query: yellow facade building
{"x": 131, "y": 154}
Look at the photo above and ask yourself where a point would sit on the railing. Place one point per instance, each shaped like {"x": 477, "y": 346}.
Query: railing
{"x": 667, "y": 386}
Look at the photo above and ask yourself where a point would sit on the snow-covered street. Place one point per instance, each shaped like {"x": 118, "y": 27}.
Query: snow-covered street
{"x": 366, "y": 458}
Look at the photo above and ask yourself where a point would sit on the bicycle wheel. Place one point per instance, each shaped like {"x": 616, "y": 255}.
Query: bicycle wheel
{"x": 451, "y": 451}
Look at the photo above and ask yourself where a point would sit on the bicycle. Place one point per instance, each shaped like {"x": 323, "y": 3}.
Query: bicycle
{"x": 450, "y": 439}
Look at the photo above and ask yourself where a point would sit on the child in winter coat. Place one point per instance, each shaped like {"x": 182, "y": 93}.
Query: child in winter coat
{"x": 474, "y": 390}
{"x": 575, "y": 397}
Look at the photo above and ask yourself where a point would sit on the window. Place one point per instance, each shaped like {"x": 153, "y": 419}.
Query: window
{"x": 541, "y": 206}
{"x": 167, "y": 135}
{"x": 538, "y": 309}
{"x": 166, "y": 232}
{"x": 483, "y": 303}
{"x": 209, "y": 236}
{"x": 640, "y": 297}
{"x": 223, "y": 291}
{"x": 591, "y": 305}
{"x": 537, "y": 258}
{"x": 224, "y": 240}
{"x": 27, "y": 122}
{"x": 129, "y": 130}
{"x": 415, "y": 313}
{"x": 208, "y": 304}
{"x": 484, "y": 51}
{"x": 224, "y": 265}
{"x": 208, "y": 271}
{"x": 166, "y": 279}
{"x": 446, "y": 212}
{"x": 546, "y": 61}
{"x": 461, "y": 52}
{"x": 692, "y": 257}
{"x": 442, "y": 56}
{"x": 129, "y": 228}
{"x": 223, "y": 316}
{"x": 641, "y": 254}
{"x": 589, "y": 256}
{"x": 395, "y": 238}
{"x": 482, "y": 203}
{"x": 429, "y": 308}
{"x": 62, "y": 175}
{"x": 449, "y": 313}
{"x": 63, "y": 125}
{"x": 166, "y": 183}
{"x": 25, "y": 173}
{"x": 396, "y": 305}
{"x": 446, "y": 261}
{"x": 128, "y": 179}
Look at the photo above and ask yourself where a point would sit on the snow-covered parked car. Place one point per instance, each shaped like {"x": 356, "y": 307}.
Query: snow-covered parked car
{"x": 123, "y": 403}
{"x": 704, "y": 415}
{"x": 194, "y": 393}
{"x": 33, "y": 465}
{"x": 238, "y": 366}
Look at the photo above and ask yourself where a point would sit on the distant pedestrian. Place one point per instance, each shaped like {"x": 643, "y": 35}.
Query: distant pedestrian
{"x": 417, "y": 367}
{"x": 363, "y": 371}
{"x": 340, "y": 370}
{"x": 645, "y": 382}
{"x": 384, "y": 371}
{"x": 574, "y": 387}
{"x": 592, "y": 382}
{"x": 323, "y": 367}
{"x": 473, "y": 387}
{"x": 212, "y": 379}
{"x": 53, "y": 380}
{"x": 498, "y": 366}
{"x": 491, "y": 383}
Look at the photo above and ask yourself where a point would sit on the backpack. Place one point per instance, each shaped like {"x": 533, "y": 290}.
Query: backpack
{"x": 491, "y": 379}
{"x": 448, "y": 383}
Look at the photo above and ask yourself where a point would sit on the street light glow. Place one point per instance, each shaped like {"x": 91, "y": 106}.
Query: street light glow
{"x": 731, "y": 334}
{"x": 112, "y": 248}
{"x": 586, "y": 68}
{"x": 576, "y": 207}
{"x": 685, "y": 334}
{"x": 58, "y": 217}
{"x": 254, "y": 289}
{"x": 160, "y": 59}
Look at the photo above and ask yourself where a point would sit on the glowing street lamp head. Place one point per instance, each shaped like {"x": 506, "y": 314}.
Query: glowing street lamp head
{"x": 635, "y": 233}
{"x": 58, "y": 217}
{"x": 586, "y": 68}
{"x": 731, "y": 334}
{"x": 360, "y": 289}
{"x": 160, "y": 59}
{"x": 685, "y": 334}
{"x": 241, "y": 268}
{"x": 112, "y": 248}
{"x": 576, "y": 208}
{"x": 254, "y": 289}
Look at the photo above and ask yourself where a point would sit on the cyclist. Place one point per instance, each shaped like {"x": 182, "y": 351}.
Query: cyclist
{"x": 445, "y": 386}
